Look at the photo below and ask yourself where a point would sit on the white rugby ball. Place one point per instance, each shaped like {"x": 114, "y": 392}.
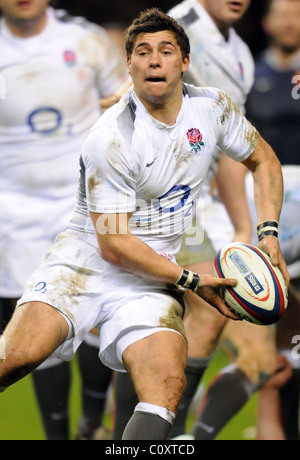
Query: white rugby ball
{"x": 260, "y": 295}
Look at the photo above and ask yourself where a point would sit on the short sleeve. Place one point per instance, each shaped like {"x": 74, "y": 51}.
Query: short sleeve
{"x": 237, "y": 137}
{"x": 109, "y": 177}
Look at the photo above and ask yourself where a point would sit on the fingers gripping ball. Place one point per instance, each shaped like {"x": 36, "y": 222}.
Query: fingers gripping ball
{"x": 260, "y": 295}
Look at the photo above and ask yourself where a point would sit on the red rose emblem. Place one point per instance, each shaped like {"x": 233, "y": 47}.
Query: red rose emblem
{"x": 195, "y": 139}
{"x": 194, "y": 135}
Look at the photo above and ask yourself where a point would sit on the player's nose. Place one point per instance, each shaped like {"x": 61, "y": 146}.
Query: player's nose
{"x": 154, "y": 60}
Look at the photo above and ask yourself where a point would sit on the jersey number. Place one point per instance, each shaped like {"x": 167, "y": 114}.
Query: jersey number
{"x": 185, "y": 192}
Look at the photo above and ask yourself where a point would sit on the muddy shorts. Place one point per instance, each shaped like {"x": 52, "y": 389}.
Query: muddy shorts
{"x": 90, "y": 293}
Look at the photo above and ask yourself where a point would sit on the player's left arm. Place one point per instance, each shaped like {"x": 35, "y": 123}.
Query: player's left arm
{"x": 268, "y": 195}
{"x": 233, "y": 195}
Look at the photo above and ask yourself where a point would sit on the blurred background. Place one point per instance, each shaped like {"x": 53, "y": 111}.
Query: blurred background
{"x": 122, "y": 12}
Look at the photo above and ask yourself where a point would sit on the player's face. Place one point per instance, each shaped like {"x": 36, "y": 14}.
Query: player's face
{"x": 283, "y": 24}
{"x": 226, "y": 12}
{"x": 156, "y": 66}
{"x": 23, "y": 10}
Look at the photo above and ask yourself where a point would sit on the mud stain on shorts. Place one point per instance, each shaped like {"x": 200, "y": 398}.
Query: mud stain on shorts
{"x": 173, "y": 319}
{"x": 70, "y": 287}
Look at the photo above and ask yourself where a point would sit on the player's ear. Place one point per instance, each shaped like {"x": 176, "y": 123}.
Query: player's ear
{"x": 129, "y": 64}
{"x": 185, "y": 64}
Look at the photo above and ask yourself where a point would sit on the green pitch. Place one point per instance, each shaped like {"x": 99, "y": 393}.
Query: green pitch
{"x": 20, "y": 420}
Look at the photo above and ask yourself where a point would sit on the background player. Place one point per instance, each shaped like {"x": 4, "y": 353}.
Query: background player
{"x": 56, "y": 69}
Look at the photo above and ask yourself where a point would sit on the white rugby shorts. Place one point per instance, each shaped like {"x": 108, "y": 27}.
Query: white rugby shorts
{"x": 90, "y": 293}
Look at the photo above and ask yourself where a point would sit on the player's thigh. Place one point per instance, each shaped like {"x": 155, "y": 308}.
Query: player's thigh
{"x": 252, "y": 347}
{"x": 203, "y": 325}
{"x": 34, "y": 332}
{"x": 194, "y": 254}
{"x": 156, "y": 365}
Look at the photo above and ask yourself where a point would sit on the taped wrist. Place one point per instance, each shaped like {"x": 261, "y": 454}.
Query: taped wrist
{"x": 189, "y": 280}
{"x": 267, "y": 228}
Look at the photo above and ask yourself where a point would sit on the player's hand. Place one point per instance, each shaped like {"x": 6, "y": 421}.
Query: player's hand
{"x": 211, "y": 290}
{"x": 106, "y": 103}
{"x": 270, "y": 245}
{"x": 282, "y": 374}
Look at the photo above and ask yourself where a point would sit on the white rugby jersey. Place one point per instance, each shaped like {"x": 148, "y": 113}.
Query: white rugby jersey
{"x": 215, "y": 61}
{"x": 52, "y": 84}
{"x": 133, "y": 163}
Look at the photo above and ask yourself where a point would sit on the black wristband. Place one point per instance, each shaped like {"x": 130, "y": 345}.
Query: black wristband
{"x": 183, "y": 278}
{"x": 268, "y": 233}
{"x": 267, "y": 228}
{"x": 189, "y": 280}
{"x": 195, "y": 283}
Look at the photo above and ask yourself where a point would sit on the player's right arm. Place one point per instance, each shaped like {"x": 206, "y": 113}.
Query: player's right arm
{"x": 121, "y": 248}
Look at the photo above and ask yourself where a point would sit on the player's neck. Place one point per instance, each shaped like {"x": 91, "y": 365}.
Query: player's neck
{"x": 223, "y": 26}
{"x": 165, "y": 111}
{"x": 28, "y": 28}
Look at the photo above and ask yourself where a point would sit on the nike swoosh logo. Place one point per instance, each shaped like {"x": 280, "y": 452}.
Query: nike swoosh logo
{"x": 150, "y": 164}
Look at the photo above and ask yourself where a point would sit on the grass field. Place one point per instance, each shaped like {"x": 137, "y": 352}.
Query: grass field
{"x": 20, "y": 420}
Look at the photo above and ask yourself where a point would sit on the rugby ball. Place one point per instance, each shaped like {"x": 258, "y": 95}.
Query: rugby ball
{"x": 260, "y": 295}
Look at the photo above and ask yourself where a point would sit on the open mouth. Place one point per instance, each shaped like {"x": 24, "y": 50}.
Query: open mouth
{"x": 155, "y": 79}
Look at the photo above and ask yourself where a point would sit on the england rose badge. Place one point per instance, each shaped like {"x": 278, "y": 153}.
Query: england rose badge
{"x": 195, "y": 139}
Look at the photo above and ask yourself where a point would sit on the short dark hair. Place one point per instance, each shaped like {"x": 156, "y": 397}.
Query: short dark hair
{"x": 154, "y": 20}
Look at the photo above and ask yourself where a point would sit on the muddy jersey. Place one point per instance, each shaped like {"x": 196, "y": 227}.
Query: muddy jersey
{"x": 133, "y": 163}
